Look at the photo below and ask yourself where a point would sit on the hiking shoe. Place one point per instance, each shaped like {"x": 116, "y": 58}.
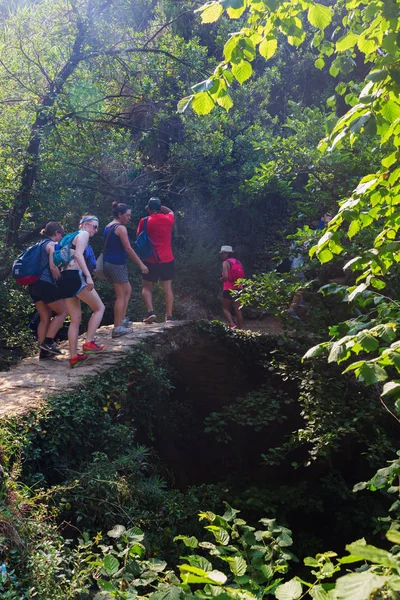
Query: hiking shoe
{"x": 52, "y": 348}
{"x": 169, "y": 318}
{"x": 150, "y": 318}
{"x": 92, "y": 348}
{"x": 118, "y": 331}
{"x": 77, "y": 360}
{"x": 126, "y": 323}
{"x": 44, "y": 355}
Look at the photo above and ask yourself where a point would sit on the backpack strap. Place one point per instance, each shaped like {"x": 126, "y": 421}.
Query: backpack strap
{"x": 153, "y": 248}
{"x": 108, "y": 234}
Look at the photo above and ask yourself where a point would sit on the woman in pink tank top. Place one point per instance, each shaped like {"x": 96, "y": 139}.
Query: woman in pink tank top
{"x": 231, "y": 271}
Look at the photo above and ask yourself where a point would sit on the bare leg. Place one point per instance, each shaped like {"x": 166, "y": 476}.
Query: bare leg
{"x": 147, "y": 294}
{"x": 93, "y": 300}
{"x": 168, "y": 297}
{"x": 128, "y": 294}
{"x": 45, "y": 316}
{"x": 60, "y": 308}
{"x": 238, "y": 313}
{"x": 226, "y": 305}
{"x": 120, "y": 303}
{"x": 75, "y": 312}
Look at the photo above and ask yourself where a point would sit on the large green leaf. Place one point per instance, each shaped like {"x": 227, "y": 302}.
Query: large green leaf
{"x": 346, "y": 42}
{"x": 359, "y": 586}
{"x": 116, "y": 531}
{"x": 373, "y": 554}
{"x": 268, "y": 47}
{"x": 184, "y": 103}
{"x": 203, "y": 103}
{"x": 238, "y": 566}
{"x": 242, "y": 71}
{"x": 292, "y": 590}
{"x": 225, "y": 101}
{"x": 391, "y": 110}
{"x": 171, "y": 593}
{"x": 230, "y": 46}
{"x": 320, "y": 16}
{"x": 111, "y": 564}
{"x": 190, "y": 542}
{"x": 317, "y": 592}
{"x": 212, "y": 13}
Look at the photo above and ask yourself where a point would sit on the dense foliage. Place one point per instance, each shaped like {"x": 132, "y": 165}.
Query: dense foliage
{"x": 88, "y": 99}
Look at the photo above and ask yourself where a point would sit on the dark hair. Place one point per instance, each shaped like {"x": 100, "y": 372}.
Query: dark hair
{"x": 51, "y": 228}
{"x": 119, "y": 208}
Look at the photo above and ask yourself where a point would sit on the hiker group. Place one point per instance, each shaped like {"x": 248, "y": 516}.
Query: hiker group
{"x": 59, "y": 273}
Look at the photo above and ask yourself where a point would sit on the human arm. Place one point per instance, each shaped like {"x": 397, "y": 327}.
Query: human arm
{"x": 81, "y": 242}
{"x": 165, "y": 210}
{"x": 55, "y": 271}
{"x": 122, "y": 233}
{"x": 225, "y": 271}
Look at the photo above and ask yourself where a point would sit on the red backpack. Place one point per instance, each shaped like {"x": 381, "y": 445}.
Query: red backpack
{"x": 236, "y": 271}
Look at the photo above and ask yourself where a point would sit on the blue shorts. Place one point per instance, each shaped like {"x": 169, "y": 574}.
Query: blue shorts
{"x": 71, "y": 283}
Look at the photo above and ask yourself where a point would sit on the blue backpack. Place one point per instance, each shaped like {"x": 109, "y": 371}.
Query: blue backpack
{"x": 143, "y": 246}
{"x": 62, "y": 253}
{"x": 26, "y": 268}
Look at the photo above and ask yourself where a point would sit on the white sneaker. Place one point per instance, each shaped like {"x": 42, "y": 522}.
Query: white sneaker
{"x": 126, "y": 323}
{"x": 119, "y": 331}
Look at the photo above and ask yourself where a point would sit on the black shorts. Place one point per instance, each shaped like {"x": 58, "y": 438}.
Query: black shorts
{"x": 44, "y": 291}
{"x": 162, "y": 271}
{"x": 71, "y": 283}
{"x": 230, "y": 295}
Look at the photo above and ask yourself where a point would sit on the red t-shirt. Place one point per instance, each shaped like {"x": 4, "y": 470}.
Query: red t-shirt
{"x": 159, "y": 228}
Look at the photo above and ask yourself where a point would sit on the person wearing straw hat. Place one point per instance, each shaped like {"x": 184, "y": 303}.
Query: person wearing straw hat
{"x": 232, "y": 270}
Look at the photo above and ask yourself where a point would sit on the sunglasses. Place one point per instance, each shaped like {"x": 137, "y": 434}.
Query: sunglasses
{"x": 95, "y": 227}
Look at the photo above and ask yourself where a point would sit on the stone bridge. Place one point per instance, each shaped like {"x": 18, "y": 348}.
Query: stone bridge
{"x": 27, "y": 385}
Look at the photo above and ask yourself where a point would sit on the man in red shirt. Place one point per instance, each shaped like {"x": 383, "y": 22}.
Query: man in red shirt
{"x": 161, "y": 265}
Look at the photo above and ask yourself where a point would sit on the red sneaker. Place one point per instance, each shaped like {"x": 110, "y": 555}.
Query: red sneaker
{"x": 92, "y": 348}
{"x": 77, "y": 360}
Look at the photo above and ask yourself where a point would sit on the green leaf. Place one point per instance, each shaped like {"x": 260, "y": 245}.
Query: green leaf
{"x": 230, "y": 513}
{"x": 134, "y": 534}
{"x": 377, "y": 75}
{"x": 358, "y": 586}
{"x": 391, "y": 388}
{"x": 203, "y": 103}
{"x": 242, "y": 71}
{"x": 184, "y": 103}
{"x": 212, "y": 13}
{"x": 324, "y": 255}
{"x": 111, "y": 564}
{"x": 347, "y": 41}
{"x": 230, "y": 46}
{"x": 203, "y": 86}
{"x": 391, "y": 111}
{"x": 367, "y": 341}
{"x": 225, "y": 101}
{"x": 238, "y": 566}
{"x": 171, "y": 593}
{"x": 317, "y": 592}
{"x": 354, "y": 228}
{"x": 372, "y": 373}
{"x": 315, "y": 351}
{"x": 393, "y": 535}
{"x": 320, "y": 16}
{"x": 338, "y": 353}
{"x": 373, "y": 554}
{"x": 268, "y": 47}
{"x": 292, "y": 590}
{"x": 190, "y": 542}
{"x": 116, "y": 531}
